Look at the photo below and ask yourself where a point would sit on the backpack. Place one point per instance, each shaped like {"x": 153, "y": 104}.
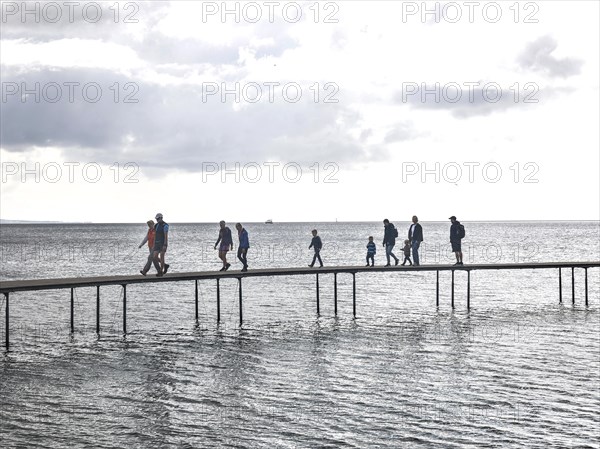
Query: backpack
{"x": 395, "y": 231}
{"x": 461, "y": 231}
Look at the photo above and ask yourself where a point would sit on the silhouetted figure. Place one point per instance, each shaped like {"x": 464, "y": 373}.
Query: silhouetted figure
{"x": 161, "y": 240}
{"x": 371, "y": 251}
{"x": 389, "y": 240}
{"x": 243, "y": 246}
{"x": 415, "y": 236}
{"x": 406, "y": 250}
{"x": 226, "y": 244}
{"x": 317, "y": 245}
{"x": 457, "y": 232}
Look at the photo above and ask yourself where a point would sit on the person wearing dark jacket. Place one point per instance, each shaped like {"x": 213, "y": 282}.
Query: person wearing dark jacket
{"x": 226, "y": 244}
{"x": 415, "y": 237}
{"x": 455, "y": 239}
{"x": 317, "y": 245}
{"x": 244, "y": 245}
{"x": 389, "y": 240}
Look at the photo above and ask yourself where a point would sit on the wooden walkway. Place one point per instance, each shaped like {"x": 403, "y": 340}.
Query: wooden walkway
{"x": 8, "y": 287}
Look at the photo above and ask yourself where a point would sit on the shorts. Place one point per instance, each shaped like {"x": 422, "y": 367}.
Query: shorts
{"x": 158, "y": 246}
{"x": 224, "y": 248}
{"x": 455, "y": 246}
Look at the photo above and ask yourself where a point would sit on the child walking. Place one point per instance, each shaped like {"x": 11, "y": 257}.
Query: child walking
{"x": 317, "y": 245}
{"x": 371, "y": 250}
{"x": 406, "y": 250}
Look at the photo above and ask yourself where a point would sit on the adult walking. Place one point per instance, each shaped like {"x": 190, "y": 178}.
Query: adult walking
{"x": 415, "y": 237}
{"x": 226, "y": 244}
{"x": 389, "y": 240}
{"x": 161, "y": 241}
{"x": 243, "y": 246}
{"x": 457, "y": 233}
{"x": 149, "y": 239}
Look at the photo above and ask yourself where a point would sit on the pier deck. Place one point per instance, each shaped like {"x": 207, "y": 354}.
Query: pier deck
{"x": 15, "y": 286}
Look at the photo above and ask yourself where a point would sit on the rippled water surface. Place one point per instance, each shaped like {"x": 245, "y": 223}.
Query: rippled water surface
{"x": 517, "y": 370}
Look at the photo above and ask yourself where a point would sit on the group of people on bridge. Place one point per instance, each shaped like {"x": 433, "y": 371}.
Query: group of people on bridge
{"x": 157, "y": 239}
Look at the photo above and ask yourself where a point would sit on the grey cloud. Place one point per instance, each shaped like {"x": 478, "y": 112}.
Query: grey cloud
{"x": 172, "y": 127}
{"x": 464, "y": 101}
{"x": 538, "y": 56}
{"x": 401, "y": 132}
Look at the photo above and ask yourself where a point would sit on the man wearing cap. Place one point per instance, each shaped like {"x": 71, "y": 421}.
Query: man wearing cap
{"x": 161, "y": 240}
{"x": 455, "y": 238}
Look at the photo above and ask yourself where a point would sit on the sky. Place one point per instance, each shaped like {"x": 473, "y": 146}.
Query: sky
{"x": 300, "y": 111}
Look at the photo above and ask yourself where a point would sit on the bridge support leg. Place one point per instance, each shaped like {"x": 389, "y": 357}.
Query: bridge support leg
{"x": 573, "y": 284}
{"x": 218, "y": 301}
{"x": 98, "y": 309}
{"x": 560, "y": 285}
{"x": 196, "y": 297}
{"x": 586, "y": 288}
{"x": 124, "y": 309}
{"x": 354, "y": 294}
{"x": 452, "y": 289}
{"x": 468, "y": 289}
{"x": 437, "y": 288}
{"x": 318, "y": 305}
{"x": 7, "y": 324}
{"x": 241, "y": 313}
{"x": 335, "y": 293}
{"x": 72, "y": 311}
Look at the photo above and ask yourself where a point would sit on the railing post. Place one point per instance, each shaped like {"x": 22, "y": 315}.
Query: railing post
{"x": 560, "y": 285}
{"x": 573, "y": 284}
{"x": 468, "y": 289}
{"x": 98, "y": 309}
{"x": 354, "y": 294}
{"x": 318, "y": 305}
{"x": 196, "y": 296}
{"x": 335, "y": 293}
{"x": 453, "y": 289}
{"x": 586, "y": 288}
{"x": 437, "y": 288}
{"x": 218, "y": 301}
{"x": 124, "y": 309}
{"x": 7, "y": 323}
{"x": 72, "y": 312}
{"x": 241, "y": 315}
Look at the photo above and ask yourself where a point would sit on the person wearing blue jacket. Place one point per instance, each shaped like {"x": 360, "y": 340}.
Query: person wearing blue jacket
{"x": 243, "y": 246}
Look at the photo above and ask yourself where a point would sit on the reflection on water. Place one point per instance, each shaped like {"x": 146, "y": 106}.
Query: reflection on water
{"x": 518, "y": 370}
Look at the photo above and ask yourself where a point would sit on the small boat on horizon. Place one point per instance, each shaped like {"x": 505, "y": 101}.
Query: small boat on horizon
{"x": 269, "y": 221}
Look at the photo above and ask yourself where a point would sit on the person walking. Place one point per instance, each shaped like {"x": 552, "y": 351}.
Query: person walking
{"x": 161, "y": 241}
{"x": 243, "y": 246}
{"x": 150, "y": 240}
{"x": 415, "y": 236}
{"x": 457, "y": 233}
{"x": 226, "y": 244}
{"x": 371, "y": 251}
{"x": 389, "y": 240}
{"x": 317, "y": 244}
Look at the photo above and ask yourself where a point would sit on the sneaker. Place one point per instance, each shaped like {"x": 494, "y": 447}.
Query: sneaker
{"x": 167, "y": 267}
{"x": 142, "y": 273}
